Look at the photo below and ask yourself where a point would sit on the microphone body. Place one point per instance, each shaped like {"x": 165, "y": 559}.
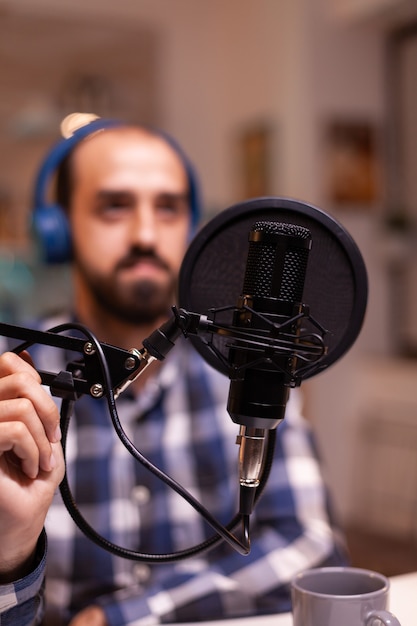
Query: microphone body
{"x": 271, "y": 297}
{"x": 261, "y": 376}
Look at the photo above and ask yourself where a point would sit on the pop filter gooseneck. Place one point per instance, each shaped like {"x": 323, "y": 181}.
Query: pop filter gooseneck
{"x": 336, "y": 285}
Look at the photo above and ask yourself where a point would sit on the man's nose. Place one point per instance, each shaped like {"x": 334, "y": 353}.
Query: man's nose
{"x": 144, "y": 232}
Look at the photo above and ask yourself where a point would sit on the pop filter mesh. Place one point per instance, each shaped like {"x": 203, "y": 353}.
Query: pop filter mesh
{"x": 213, "y": 270}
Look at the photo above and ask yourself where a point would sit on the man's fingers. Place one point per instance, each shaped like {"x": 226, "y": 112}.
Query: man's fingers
{"x": 10, "y": 363}
{"x": 16, "y": 440}
{"x": 22, "y": 411}
{"x": 20, "y": 380}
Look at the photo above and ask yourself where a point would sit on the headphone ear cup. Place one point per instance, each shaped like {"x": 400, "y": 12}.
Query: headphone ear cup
{"x": 51, "y": 228}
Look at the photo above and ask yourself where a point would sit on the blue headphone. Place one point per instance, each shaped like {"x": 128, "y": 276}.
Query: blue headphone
{"x": 49, "y": 220}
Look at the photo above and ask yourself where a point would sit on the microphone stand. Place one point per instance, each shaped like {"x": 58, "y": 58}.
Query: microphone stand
{"x": 105, "y": 371}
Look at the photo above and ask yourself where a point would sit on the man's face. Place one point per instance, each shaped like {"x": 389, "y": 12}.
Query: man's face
{"x": 130, "y": 221}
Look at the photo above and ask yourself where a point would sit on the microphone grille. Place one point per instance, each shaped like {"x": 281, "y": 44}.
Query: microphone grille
{"x": 282, "y": 228}
{"x": 277, "y": 261}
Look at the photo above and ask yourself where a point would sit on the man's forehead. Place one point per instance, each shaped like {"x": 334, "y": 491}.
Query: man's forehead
{"x": 126, "y": 148}
{"x": 111, "y": 139}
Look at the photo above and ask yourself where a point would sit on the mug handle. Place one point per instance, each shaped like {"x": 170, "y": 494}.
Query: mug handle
{"x": 386, "y": 618}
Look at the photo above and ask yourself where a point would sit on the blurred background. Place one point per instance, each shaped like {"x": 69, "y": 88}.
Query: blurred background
{"x": 310, "y": 99}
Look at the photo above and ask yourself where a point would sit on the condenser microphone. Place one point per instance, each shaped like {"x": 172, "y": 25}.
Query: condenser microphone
{"x": 270, "y": 305}
{"x": 260, "y": 378}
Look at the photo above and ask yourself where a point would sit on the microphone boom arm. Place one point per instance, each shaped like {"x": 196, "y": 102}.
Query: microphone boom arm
{"x": 83, "y": 375}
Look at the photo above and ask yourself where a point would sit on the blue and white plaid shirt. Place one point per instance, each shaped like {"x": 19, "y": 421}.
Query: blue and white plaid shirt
{"x": 179, "y": 421}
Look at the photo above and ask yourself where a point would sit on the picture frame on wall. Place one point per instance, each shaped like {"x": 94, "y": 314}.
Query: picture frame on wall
{"x": 255, "y": 160}
{"x": 351, "y": 163}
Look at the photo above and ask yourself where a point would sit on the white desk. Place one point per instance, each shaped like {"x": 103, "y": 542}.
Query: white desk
{"x": 403, "y": 598}
{"x": 403, "y": 603}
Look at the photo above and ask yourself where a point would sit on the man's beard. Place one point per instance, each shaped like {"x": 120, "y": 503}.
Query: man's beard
{"x": 139, "y": 302}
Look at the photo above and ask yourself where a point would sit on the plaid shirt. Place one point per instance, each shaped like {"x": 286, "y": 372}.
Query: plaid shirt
{"x": 180, "y": 423}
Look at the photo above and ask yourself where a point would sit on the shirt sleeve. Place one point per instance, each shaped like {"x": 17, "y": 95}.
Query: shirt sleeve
{"x": 22, "y": 602}
{"x": 291, "y": 530}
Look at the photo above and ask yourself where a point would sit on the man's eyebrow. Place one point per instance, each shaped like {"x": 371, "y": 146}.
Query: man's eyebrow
{"x": 182, "y": 196}
{"x": 105, "y": 193}
{"x": 112, "y": 193}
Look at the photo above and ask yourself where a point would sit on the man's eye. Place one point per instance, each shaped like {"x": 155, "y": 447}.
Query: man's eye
{"x": 172, "y": 206}
{"x": 165, "y": 207}
{"x": 111, "y": 211}
{"x": 113, "y": 206}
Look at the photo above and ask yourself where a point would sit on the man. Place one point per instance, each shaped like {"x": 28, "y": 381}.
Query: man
{"x": 130, "y": 219}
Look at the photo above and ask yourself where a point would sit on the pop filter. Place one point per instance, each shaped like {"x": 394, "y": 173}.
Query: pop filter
{"x": 336, "y": 286}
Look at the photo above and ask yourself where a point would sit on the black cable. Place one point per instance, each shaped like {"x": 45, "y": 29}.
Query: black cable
{"x": 220, "y": 529}
{"x": 107, "y": 545}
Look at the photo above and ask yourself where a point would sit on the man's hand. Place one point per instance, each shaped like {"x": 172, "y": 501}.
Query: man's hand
{"x": 91, "y": 616}
{"x": 31, "y": 462}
